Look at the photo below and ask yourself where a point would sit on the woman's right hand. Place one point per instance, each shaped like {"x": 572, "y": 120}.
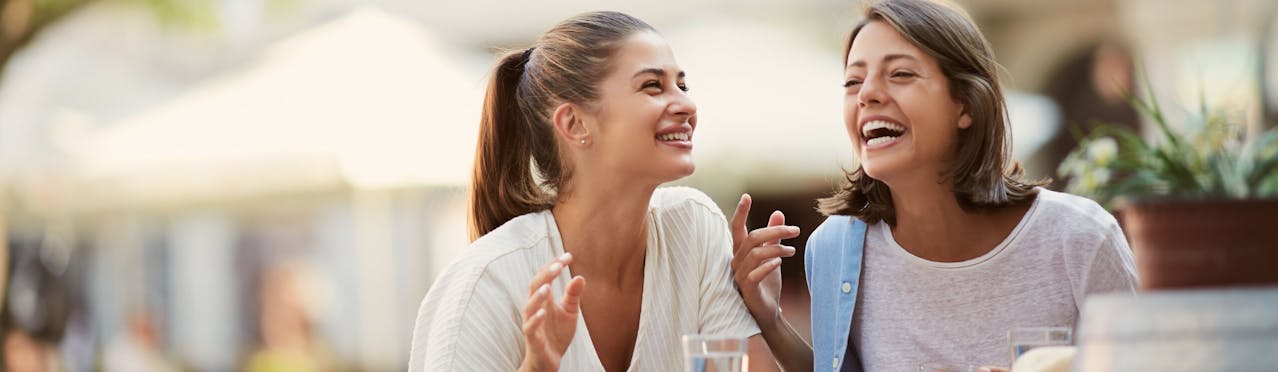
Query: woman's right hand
{"x": 549, "y": 326}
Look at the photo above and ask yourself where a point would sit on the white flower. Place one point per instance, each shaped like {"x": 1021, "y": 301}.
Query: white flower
{"x": 1102, "y": 151}
{"x": 1095, "y": 178}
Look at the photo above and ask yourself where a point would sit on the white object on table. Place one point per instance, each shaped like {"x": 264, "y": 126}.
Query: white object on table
{"x": 1183, "y": 330}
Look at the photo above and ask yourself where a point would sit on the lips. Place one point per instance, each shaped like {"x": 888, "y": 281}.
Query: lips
{"x": 679, "y": 135}
{"x": 880, "y": 131}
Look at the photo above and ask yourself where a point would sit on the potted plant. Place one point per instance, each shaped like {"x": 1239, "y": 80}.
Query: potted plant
{"x": 1199, "y": 203}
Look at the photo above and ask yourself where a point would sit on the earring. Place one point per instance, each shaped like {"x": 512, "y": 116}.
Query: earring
{"x": 583, "y": 141}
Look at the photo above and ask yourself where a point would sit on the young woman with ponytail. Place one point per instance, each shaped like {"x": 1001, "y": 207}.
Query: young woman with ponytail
{"x": 579, "y": 261}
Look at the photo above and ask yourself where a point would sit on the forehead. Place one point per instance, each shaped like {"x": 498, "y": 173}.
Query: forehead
{"x": 878, "y": 39}
{"x": 643, "y": 50}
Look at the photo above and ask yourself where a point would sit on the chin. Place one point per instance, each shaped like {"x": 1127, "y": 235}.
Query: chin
{"x": 679, "y": 171}
{"x": 685, "y": 170}
{"x": 879, "y": 170}
{"x": 688, "y": 170}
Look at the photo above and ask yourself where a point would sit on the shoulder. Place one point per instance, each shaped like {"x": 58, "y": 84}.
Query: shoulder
{"x": 519, "y": 234}
{"x": 483, "y": 286}
{"x": 833, "y": 225}
{"x": 685, "y": 213}
{"x": 683, "y": 200}
{"x": 827, "y": 239}
{"x": 690, "y": 226}
{"x": 1073, "y": 214}
{"x": 1089, "y": 240}
{"x": 1077, "y": 227}
{"x": 830, "y": 232}
{"x": 501, "y": 256}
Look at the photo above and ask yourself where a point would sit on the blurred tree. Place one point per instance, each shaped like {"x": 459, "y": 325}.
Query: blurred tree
{"x": 21, "y": 21}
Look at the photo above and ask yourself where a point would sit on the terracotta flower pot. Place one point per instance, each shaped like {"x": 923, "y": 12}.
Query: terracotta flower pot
{"x": 1213, "y": 243}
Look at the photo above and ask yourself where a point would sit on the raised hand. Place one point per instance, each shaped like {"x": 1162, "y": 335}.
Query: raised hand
{"x": 756, "y": 262}
{"x": 549, "y": 326}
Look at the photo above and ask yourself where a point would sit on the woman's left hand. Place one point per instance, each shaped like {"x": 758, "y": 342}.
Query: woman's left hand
{"x": 756, "y": 262}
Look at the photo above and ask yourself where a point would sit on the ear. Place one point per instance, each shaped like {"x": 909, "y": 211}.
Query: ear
{"x": 569, "y": 126}
{"x": 965, "y": 120}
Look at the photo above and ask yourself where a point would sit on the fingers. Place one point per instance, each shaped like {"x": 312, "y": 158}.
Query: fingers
{"x": 776, "y": 219}
{"x": 738, "y": 224}
{"x": 764, "y": 256}
{"x": 535, "y": 317}
{"x": 769, "y": 251}
{"x": 549, "y": 272}
{"x": 571, "y": 302}
{"x": 531, "y": 326}
{"x": 536, "y": 301}
{"x": 763, "y": 270}
{"x": 541, "y": 304}
{"x": 755, "y": 264}
{"x": 770, "y": 234}
{"x": 534, "y": 338}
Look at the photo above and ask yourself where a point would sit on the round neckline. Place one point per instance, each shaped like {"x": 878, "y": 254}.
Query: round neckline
{"x": 1002, "y": 246}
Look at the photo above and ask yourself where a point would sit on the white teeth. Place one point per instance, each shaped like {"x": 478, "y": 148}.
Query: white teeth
{"x": 878, "y": 140}
{"x": 681, "y": 136}
{"x": 879, "y": 124}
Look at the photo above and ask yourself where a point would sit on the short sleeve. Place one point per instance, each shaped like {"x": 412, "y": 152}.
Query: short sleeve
{"x": 1112, "y": 267}
{"x": 466, "y": 324}
{"x": 722, "y": 310}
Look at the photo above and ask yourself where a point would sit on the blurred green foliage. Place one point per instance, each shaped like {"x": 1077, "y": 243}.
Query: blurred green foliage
{"x": 1210, "y": 156}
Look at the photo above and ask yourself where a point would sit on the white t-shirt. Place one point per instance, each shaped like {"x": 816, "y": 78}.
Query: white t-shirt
{"x": 471, "y": 318}
{"x": 912, "y": 311}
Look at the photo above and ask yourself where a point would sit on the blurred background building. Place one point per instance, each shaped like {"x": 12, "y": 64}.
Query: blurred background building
{"x": 272, "y": 185}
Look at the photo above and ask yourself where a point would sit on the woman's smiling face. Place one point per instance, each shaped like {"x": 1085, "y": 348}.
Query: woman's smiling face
{"x": 643, "y": 122}
{"x": 897, "y": 106}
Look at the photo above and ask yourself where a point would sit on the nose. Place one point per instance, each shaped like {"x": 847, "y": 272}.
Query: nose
{"x": 683, "y": 106}
{"x": 871, "y": 93}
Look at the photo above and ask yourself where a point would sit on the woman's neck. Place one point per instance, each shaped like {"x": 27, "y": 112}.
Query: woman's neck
{"x": 931, "y": 224}
{"x": 605, "y": 227}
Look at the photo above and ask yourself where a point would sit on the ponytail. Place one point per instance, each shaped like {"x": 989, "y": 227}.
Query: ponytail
{"x": 503, "y": 185}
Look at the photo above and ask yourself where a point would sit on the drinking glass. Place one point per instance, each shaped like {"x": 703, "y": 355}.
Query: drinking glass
{"x": 710, "y": 353}
{"x": 1021, "y": 340}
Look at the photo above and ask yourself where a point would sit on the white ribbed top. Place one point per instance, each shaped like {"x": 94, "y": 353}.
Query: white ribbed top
{"x": 470, "y": 319}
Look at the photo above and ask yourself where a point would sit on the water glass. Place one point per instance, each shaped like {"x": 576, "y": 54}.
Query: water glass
{"x": 1021, "y": 340}
{"x": 710, "y": 353}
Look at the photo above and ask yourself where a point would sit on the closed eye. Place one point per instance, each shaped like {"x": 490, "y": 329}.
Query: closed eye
{"x": 851, "y": 83}
{"x": 683, "y": 87}
{"x": 903, "y": 74}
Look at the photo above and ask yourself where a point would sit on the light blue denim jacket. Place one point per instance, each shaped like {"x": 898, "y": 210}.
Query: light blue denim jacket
{"x": 832, "y": 262}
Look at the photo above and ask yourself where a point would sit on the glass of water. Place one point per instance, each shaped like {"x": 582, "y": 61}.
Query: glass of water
{"x": 709, "y": 353}
{"x": 1021, "y": 340}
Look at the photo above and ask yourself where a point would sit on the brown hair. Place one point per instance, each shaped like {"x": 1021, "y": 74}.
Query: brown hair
{"x": 517, "y": 145}
{"x": 984, "y": 176}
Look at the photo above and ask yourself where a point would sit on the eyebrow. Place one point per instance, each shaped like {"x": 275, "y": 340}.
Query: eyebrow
{"x": 887, "y": 58}
{"x": 657, "y": 71}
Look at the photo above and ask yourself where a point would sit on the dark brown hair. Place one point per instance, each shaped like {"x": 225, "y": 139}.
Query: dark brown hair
{"x": 517, "y": 146}
{"x": 983, "y": 174}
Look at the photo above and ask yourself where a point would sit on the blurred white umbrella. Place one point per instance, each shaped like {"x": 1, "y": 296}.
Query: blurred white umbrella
{"x": 367, "y": 100}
